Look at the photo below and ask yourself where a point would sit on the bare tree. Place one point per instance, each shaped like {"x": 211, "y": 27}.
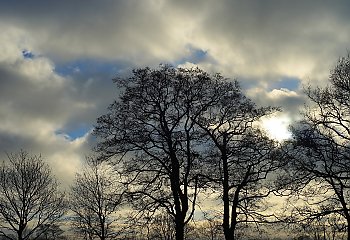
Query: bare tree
{"x": 241, "y": 157}
{"x": 320, "y": 156}
{"x": 30, "y": 201}
{"x": 151, "y": 133}
{"x": 321, "y": 183}
{"x": 94, "y": 199}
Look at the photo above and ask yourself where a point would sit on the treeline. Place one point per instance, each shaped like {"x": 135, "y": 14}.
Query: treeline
{"x": 181, "y": 155}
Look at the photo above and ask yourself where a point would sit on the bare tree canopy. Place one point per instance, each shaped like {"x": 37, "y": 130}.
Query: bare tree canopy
{"x": 159, "y": 130}
{"x": 151, "y": 128}
{"x": 30, "y": 201}
{"x": 330, "y": 109}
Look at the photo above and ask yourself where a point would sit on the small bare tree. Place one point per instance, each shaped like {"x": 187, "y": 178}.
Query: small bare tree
{"x": 95, "y": 198}
{"x": 162, "y": 227}
{"x": 30, "y": 201}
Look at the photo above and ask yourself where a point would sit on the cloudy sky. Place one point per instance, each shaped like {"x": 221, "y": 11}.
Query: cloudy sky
{"x": 57, "y": 59}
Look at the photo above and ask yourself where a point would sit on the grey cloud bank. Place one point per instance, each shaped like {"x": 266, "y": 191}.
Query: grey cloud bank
{"x": 49, "y": 99}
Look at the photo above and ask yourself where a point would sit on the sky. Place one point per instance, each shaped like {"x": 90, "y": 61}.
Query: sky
{"x": 58, "y": 59}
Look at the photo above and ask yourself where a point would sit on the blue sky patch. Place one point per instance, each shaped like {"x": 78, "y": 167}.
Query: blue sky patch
{"x": 195, "y": 56}
{"x": 27, "y": 54}
{"x": 89, "y": 67}
{"x": 286, "y": 82}
{"x": 76, "y": 132}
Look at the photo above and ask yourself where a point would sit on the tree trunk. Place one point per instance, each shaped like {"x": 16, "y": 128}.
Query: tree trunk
{"x": 179, "y": 202}
{"x": 20, "y": 235}
{"x": 226, "y": 219}
{"x": 234, "y": 214}
{"x": 20, "y": 231}
{"x": 179, "y": 230}
{"x": 229, "y": 234}
{"x": 228, "y": 231}
{"x": 179, "y": 213}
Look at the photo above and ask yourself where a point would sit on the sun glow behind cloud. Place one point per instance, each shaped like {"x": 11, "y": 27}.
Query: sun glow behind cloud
{"x": 277, "y": 127}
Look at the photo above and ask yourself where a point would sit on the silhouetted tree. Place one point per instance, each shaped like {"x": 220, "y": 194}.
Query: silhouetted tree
{"x": 318, "y": 176}
{"x": 247, "y": 169}
{"x": 241, "y": 157}
{"x": 151, "y": 132}
{"x": 320, "y": 152}
{"x": 94, "y": 199}
{"x": 30, "y": 201}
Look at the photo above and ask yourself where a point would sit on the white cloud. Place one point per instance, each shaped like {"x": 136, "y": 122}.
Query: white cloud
{"x": 277, "y": 94}
{"x": 35, "y": 103}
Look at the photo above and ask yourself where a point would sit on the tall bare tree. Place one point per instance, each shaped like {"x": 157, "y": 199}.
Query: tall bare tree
{"x": 240, "y": 158}
{"x": 151, "y": 132}
{"x": 95, "y": 198}
{"x": 30, "y": 201}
